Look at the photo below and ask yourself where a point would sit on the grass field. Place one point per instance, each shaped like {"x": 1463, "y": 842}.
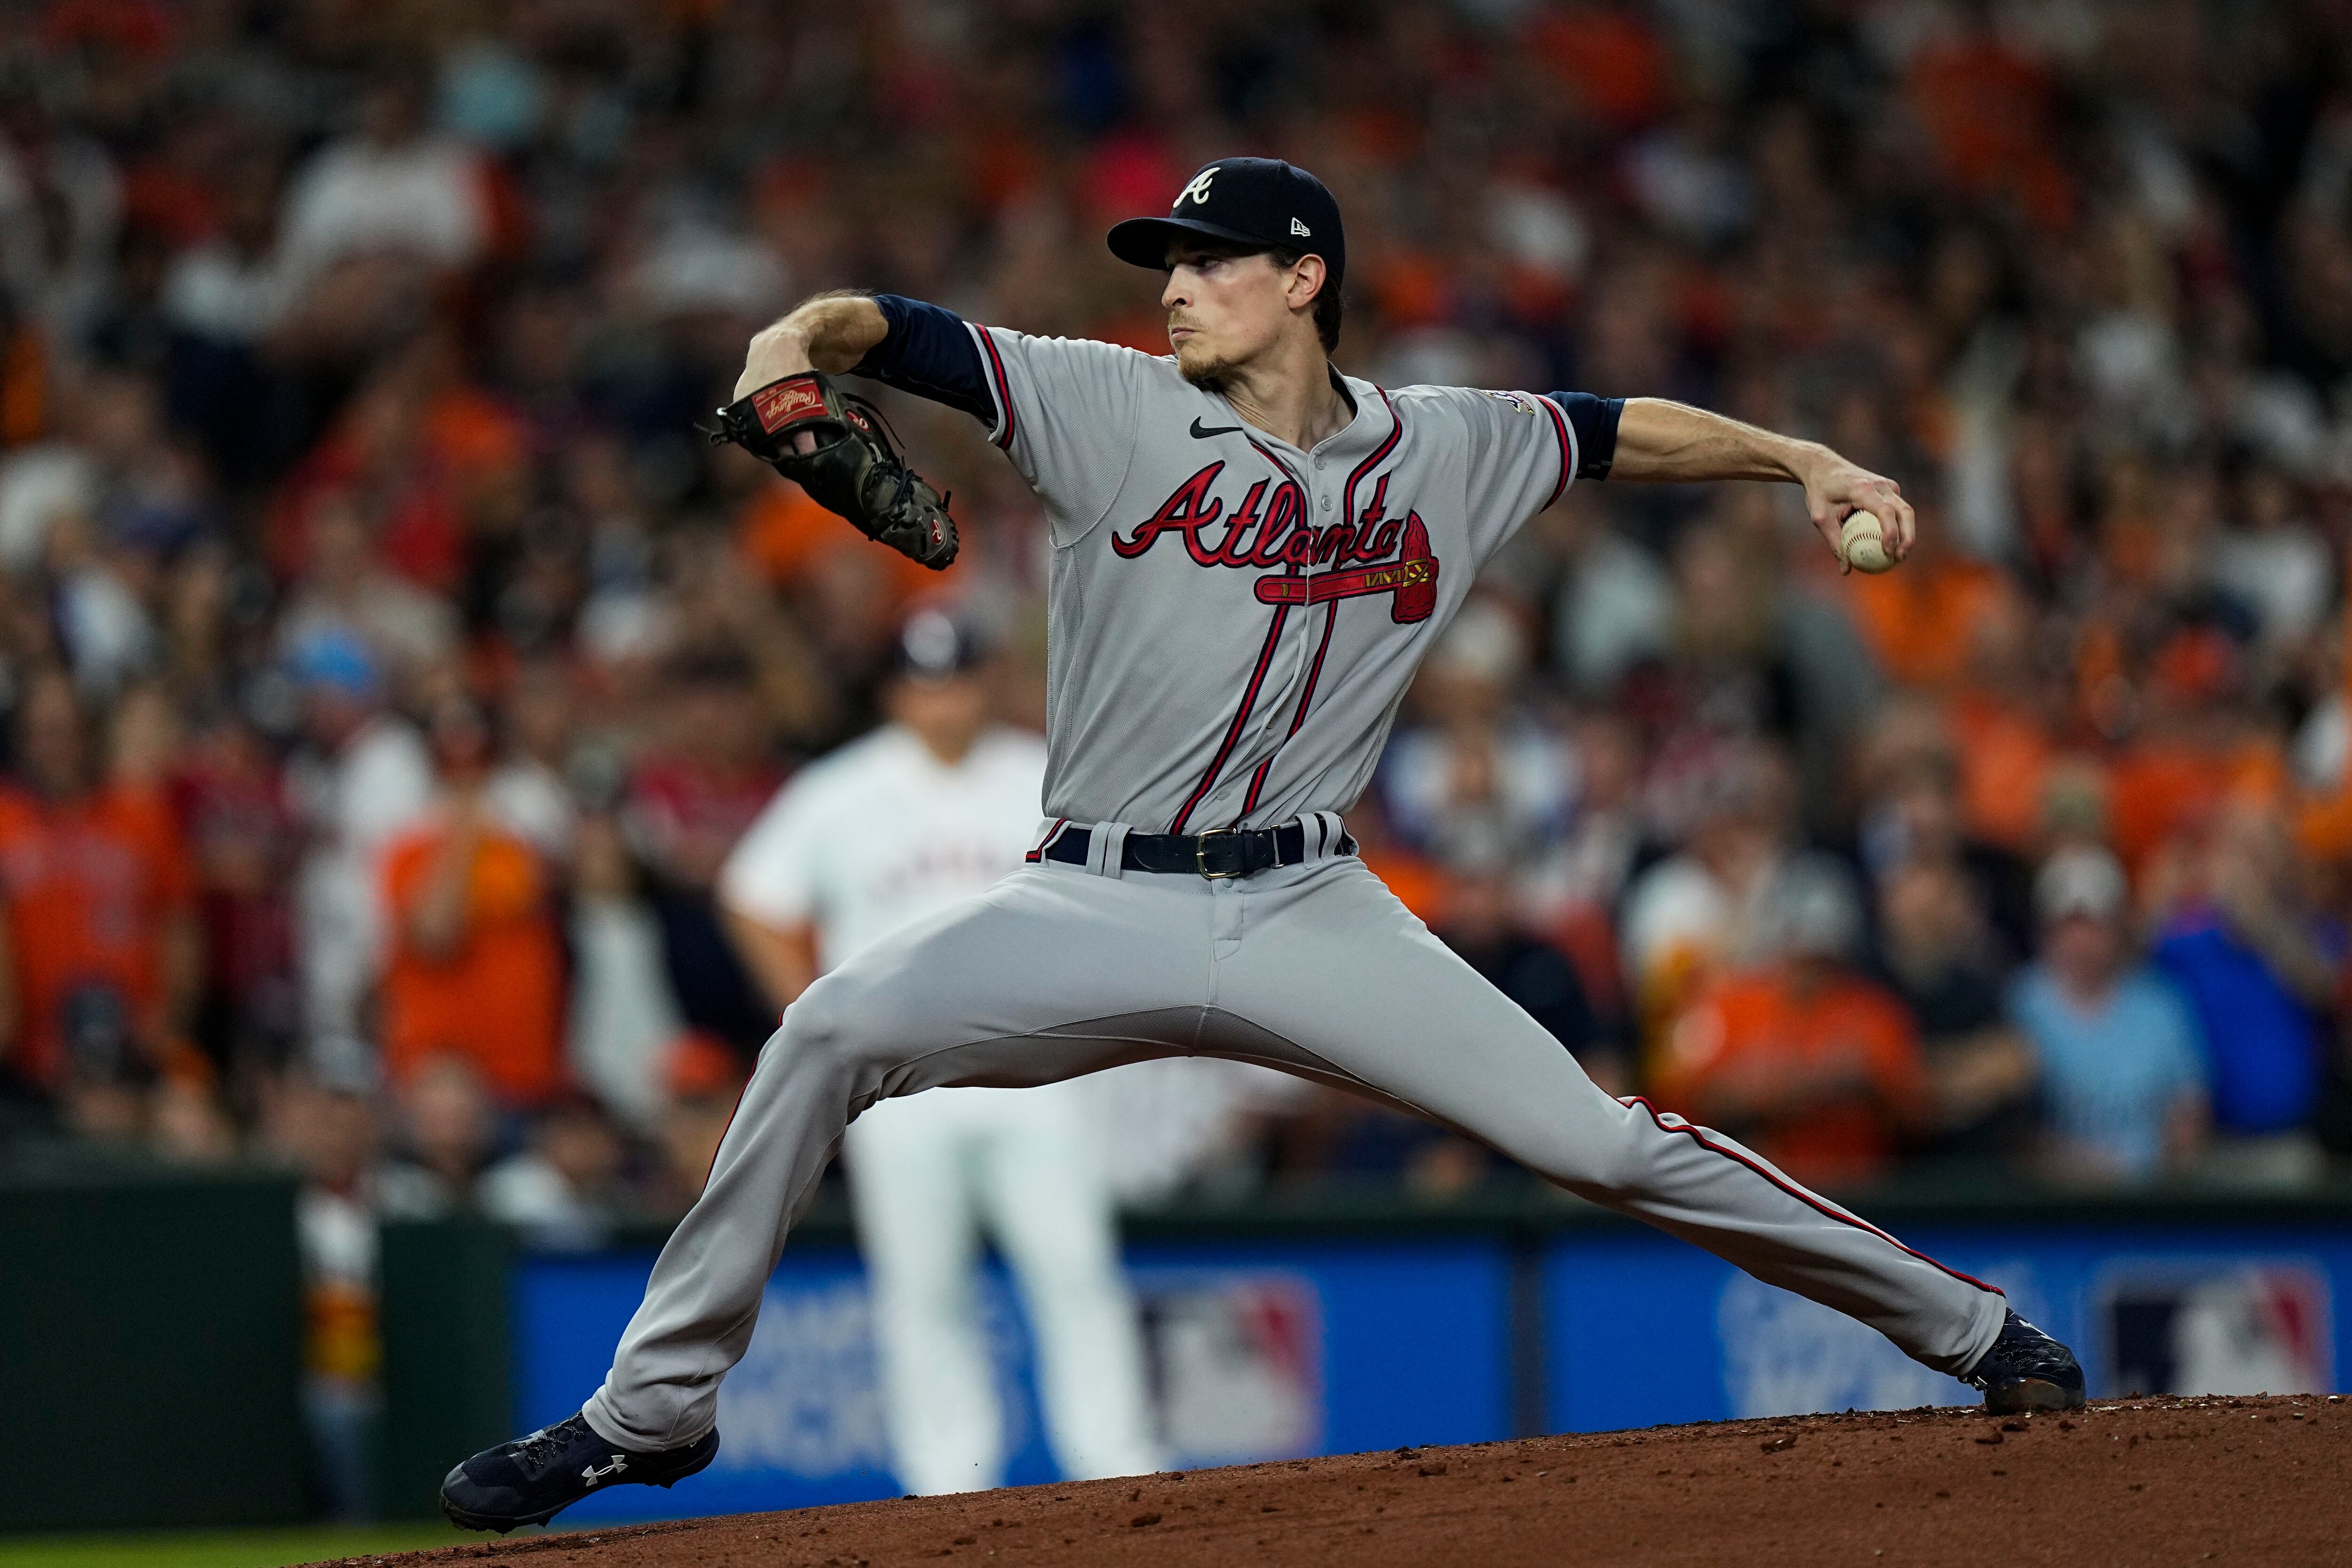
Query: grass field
{"x": 221, "y": 1547}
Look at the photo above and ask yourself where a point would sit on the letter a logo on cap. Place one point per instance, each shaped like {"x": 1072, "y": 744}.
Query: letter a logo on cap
{"x": 1198, "y": 191}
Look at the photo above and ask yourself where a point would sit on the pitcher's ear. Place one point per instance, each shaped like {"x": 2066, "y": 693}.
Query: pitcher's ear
{"x": 1311, "y": 272}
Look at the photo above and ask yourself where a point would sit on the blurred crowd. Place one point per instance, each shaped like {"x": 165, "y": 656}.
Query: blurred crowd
{"x": 387, "y": 665}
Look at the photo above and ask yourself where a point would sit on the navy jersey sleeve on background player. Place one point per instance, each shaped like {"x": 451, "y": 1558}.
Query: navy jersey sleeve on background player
{"x": 1064, "y": 409}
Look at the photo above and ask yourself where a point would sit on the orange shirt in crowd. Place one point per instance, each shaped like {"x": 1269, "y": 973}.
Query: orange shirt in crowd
{"x": 788, "y": 537}
{"x": 1617, "y": 66}
{"x": 497, "y": 998}
{"x": 1921, "y": 621}
{"x": 435, "y": 456}
{"x": 1989, "y": 112}
{"x": 2162, "y": 787}
{"x": 1418, "y": 883}
{"x": 90, "y": 885}
{"x": 1753, "y": 1034}
{"x": 2005, "y": 754}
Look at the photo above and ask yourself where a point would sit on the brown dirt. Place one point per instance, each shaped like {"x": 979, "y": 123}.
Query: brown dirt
{"x": 2128, "y": 1482}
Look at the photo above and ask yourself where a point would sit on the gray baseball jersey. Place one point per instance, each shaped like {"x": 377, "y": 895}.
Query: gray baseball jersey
{"x": 1234, "y": 621}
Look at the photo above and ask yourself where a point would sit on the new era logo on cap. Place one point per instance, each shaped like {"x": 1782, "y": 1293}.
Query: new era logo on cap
{"x": 1301, "y": 230}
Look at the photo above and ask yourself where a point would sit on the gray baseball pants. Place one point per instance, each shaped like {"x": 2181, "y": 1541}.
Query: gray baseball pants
{"x": 1316, "y": 968}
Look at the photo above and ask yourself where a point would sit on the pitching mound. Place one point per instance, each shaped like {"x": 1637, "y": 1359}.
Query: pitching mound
{"x": 2131, "y": 1483}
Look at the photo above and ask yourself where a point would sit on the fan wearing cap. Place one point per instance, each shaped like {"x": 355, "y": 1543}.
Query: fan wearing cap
{"x": 1811, "y": 1062}
{"x": 913, "y": 819}
{"x": 2123, "y": 1074}
{"x": 1251, "y": 552}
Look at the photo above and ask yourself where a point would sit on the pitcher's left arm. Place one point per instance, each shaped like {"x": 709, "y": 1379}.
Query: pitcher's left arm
{"x": 1670, "y": 442}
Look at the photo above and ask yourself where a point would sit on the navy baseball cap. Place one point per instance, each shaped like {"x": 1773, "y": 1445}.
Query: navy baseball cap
{"x": 1262, "y": 203}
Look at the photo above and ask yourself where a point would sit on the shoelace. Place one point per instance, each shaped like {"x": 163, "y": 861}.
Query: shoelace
{"x": 538, "y": 1450}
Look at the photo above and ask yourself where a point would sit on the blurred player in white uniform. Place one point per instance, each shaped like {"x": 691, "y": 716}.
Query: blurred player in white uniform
{"x": 912, "y": 820}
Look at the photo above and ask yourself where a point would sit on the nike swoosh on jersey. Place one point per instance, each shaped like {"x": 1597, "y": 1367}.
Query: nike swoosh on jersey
{"x": 1203, "y": 432}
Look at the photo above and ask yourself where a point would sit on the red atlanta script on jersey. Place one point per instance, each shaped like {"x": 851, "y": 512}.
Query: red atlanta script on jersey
{"x": 1272, "y": 530}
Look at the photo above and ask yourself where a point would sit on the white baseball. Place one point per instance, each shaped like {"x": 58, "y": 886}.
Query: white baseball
{"x": 1863, "y": 542}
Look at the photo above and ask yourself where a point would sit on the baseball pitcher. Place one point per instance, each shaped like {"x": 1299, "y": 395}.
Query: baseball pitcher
{"x": 1251, "y": 554}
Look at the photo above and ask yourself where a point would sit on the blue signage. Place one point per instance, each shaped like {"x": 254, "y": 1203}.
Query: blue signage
{"x": 1256, "y": 1351}
{"x": 1262, "y": 1350}
{"x": 1642, "y": 1330}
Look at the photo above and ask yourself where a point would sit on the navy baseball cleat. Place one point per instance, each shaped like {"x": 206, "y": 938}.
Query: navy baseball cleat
{"x": 533, "y": 1478}
{"x": 2025, "y": 1370}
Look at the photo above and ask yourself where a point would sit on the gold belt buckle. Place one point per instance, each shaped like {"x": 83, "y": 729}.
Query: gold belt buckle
{"x": 1200, "y": 854}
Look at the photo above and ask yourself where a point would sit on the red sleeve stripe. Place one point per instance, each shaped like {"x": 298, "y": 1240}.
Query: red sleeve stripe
{"x": 1567, "y": 449}
{"x": 1003, "y": 437}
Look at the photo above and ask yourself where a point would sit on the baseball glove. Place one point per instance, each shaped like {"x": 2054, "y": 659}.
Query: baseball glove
{"x": 853, "y": 469}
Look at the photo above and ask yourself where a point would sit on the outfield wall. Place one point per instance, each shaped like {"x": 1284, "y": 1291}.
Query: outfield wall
{"x": 150, "y": 1332}
{"x": 1284, "y": 1331}
{"x": 150, "y": 1349}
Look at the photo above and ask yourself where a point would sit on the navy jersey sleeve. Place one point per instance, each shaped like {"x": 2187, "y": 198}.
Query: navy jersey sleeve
{"x": 929, "y": 352}
{"x": 1594, "y": 420}
{"x": 1064, "y": 409}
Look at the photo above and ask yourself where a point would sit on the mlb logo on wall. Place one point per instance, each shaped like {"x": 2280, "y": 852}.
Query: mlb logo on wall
{"x": 2231, "y": 1328}
{"x": 1236, "y": 1363}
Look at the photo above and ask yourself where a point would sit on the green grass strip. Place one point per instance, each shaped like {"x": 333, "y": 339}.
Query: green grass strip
{"x": 223, "y": 1547}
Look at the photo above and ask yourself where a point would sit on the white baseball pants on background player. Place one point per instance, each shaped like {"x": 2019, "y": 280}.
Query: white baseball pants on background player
{"x": 875, "y": 837}
{"x": 1316, "y": 968}
{"x": 924, "y": 1173}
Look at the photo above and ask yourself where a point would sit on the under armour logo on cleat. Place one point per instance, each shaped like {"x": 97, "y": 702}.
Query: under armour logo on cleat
{"x": 591, "y": 1475}
{"x": 1198, "y": 191}
{"x": 1301, "y": 230}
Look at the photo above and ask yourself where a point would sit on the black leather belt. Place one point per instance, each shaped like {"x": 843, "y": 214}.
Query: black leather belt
{"x": 1220, "y": 853}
